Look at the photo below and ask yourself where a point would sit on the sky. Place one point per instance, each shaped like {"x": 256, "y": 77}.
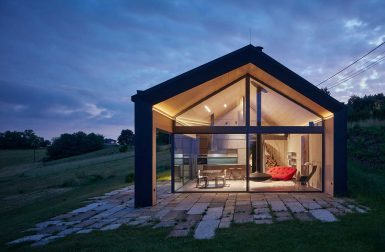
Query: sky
{"x": 67, "y": 65}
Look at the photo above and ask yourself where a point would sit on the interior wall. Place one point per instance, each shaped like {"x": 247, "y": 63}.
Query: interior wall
{"x": 329, "y": 156}
{"x": 315, "y": 156}
{"x": 232, "y": 141}
{"x": 294, "y": 145}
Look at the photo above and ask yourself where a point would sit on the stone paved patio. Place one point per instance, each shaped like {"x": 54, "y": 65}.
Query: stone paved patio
{"x": 199, "y": 214}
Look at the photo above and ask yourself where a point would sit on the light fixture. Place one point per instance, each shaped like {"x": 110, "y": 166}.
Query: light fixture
{"x": 225, "y": 105}
{"x": 208, "y": 109}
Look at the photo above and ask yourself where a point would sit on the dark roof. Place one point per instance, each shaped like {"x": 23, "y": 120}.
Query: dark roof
{"x": 231, "y": 61}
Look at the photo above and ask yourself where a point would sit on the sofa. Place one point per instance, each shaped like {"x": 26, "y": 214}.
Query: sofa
{"x": 281, "y": 172}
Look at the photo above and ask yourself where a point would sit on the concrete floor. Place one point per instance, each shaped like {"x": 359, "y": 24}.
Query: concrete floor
{"x": 240, "y": 185}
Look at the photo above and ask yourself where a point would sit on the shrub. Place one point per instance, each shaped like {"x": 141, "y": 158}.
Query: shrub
{"x": 130, "y": 178}
{"x": 123, "y": 148}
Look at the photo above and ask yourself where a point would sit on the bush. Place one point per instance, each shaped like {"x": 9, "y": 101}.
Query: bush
{"x": 123, "y": 148}
{"x": 130, "y": 178}
{"x": 68, "y": 145}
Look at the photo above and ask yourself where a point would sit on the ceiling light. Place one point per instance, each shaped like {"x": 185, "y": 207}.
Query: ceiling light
{"x": 208, "y": 109}
{"x": 225, "y": 105}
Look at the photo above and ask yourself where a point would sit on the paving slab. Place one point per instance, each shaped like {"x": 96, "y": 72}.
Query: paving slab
{"x": 110, "y": 227}
{"x": 261, "y": 210}
{"x": 283, "y": 216}
{"x": 224, "y": 224}
{"x": 179, "y": 233}
{"x": 277, "y": 205}
{"x": 198, "y": 208}
{"x": 213, "y": 213}
{"x": 242, "y": 218}
{"x": 28, "y": 238}
{"x": 295, "y": 207}
{"x": 263, "y": 221}
{"x": 206, "y": 229}
{"x": 164, "y": 224}
{"x": 304, "y": 216}
{"x": 323, "y": 215}
{"x": 259, "y": 204}
{"x": 262, "y": 216}
{"x": 311, "y": 205}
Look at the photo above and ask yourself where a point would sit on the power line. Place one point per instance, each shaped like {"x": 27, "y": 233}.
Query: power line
{"x": 359, "y": 69}
{"x": 356, "y": 73}
{"x": 343, "y": 69}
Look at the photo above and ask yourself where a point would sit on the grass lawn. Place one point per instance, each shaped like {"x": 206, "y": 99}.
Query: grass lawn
{"x": 78, "y": 178}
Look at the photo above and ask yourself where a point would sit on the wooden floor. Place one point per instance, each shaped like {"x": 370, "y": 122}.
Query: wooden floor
{"x": 240, "y": 185}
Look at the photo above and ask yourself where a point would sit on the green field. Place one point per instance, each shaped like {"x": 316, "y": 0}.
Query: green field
{"x": 35, "y": 192}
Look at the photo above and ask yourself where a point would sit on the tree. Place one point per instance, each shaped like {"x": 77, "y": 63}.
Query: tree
{"x": 126, "y": 137}
{"x": 325, "y": 90}
{"x": 26, "y": 139}
{"x": 74, "y": 144}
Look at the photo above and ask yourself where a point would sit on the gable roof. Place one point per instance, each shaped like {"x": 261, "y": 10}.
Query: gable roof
{"x": 246, "y": 55}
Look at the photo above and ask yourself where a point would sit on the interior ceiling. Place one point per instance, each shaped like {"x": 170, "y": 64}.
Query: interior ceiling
{"x": 180, "y": 102}
{"x": 231, "y": 97}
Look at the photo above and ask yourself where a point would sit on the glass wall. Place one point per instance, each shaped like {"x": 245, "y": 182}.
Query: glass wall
{"x": 285, "y": 162}
{"x": 209, "y": 162}
{"x": 277, "y": 110}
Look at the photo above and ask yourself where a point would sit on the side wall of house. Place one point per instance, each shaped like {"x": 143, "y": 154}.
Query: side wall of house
{"x": 144, "y": 176}
{"x": 340, "y": 152}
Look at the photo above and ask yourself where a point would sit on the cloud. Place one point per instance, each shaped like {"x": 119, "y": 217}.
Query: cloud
{"x": 354, "y": 23}
{"x": 96, "y": 112}
{"x": 73, "y": 65}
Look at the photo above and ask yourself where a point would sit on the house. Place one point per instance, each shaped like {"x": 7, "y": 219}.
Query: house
{"x": 241, "y": 123}
{"x": 110, "y": 142}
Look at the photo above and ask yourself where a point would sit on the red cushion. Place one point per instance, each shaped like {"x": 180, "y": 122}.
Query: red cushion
{"x": 281, "y": 172}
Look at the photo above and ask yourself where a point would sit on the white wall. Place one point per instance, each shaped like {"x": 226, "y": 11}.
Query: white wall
{"x": 315, "y": 156}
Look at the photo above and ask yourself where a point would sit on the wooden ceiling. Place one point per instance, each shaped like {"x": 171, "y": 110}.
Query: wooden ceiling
{"x": 180, "y": 102}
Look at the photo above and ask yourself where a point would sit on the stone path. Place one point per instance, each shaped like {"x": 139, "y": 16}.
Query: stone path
{"x": 198, "y": 214}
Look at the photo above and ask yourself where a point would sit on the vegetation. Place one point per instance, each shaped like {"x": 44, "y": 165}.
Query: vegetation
{"x": 126, "y": 137}
{"x": 74, "y": 144}
{"x": 367, "y": 146}
{"x": 367, "y": 107}
{"x": 32, "y": 192}
{"x": 21, "y": 140}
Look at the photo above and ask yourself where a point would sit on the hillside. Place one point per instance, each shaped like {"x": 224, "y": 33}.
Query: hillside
{"x": 30, "y": 192}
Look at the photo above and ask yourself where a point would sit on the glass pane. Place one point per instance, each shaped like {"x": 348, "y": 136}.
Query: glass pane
{"x": 285, "y": 162}
{"x": 210, "y": 162}
{"x": 277, "y": 110}
{"x": 226, "y": 108}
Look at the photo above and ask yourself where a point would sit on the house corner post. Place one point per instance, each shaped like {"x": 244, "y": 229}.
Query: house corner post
{"x": 144, "y": 176}
{"x": 340, "y": 152}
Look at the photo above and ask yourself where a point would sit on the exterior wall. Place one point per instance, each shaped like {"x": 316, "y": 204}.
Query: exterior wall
{"x": 329, "y": 156}
{"x": 144, "y": 176}
{"x": 147, "y": 122}
{"x": 340, "y": 152}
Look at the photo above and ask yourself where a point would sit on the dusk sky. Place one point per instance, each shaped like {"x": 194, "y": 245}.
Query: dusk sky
{"x": 67, "y": 65}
